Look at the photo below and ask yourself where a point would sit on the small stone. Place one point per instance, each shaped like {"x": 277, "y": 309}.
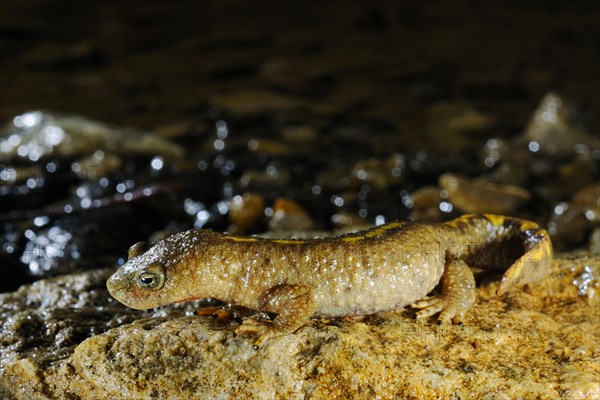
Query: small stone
{"x": 244, "y": 212}
{"x": 426, "y": 204}
{"x": 380, "y": 173}
{"x": 289, "y": 216}
{"x": 480, "y": 195}
{"x": 426, "y": 197}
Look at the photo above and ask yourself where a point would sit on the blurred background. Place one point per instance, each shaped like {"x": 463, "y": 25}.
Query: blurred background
{"x": 125, "y": 121}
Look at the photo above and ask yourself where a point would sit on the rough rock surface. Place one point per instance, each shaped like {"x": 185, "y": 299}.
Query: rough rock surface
{"x": 541, "y": 341}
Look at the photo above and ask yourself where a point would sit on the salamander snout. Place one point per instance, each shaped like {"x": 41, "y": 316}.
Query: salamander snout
{"x": 136, "y": 288}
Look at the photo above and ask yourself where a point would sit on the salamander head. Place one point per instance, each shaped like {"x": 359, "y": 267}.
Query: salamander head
{"x": 155, "y": 276}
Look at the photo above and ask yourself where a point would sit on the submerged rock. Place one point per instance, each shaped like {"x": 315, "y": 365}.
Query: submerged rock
{"x": 38, "y": 134}
{"x": 540, "y": 341}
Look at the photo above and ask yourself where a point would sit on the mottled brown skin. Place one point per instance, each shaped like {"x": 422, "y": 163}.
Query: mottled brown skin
{"x": 381, "y": 269}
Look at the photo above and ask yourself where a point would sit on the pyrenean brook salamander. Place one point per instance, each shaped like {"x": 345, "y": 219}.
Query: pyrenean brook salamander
{"x": 384, "y": 268}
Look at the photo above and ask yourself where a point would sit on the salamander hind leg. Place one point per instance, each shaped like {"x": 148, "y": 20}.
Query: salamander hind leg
{"x": 458, "y": 294}
{"x": 294, "y": 305}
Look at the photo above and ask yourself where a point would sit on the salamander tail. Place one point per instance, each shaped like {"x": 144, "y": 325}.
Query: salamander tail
{"x": 534, "y": 264}
{"x": 521, "y": 247}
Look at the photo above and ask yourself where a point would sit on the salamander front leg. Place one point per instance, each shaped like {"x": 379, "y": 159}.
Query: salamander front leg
{"x": 458, "y": 294}
{"x": 294, "y": 305}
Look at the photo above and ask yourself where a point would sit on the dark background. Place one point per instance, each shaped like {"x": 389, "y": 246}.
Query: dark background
{"x": 153, "y": 63}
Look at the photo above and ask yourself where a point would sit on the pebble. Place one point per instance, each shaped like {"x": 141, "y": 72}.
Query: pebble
{"x": 245, "y": 211}
{"x": 480, "y": 195}
{"x": 289, "y": 216}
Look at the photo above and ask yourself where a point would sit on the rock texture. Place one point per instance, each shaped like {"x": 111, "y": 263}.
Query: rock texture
{"x": 541, "y": 341}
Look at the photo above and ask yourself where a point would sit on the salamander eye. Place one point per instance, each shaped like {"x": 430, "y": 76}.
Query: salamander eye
{"x": 152, "y": 277}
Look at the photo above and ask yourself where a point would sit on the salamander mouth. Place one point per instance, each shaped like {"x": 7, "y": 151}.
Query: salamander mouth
{"x": 121, "y": 288}
{"x": 117, "y": 284}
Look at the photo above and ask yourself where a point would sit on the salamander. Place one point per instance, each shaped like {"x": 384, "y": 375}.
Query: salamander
{"x": 384, "y": 268}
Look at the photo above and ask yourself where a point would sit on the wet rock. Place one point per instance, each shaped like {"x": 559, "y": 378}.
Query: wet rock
{"x": 38, "y": 134}
{"x": 588, "y": 196}
{"x": 493, "y": 150}
{"x": 96, "y": 166}
{"x": 51, "y": 250}
{"x": 244, "y": 212}
{"x": 479, "y": 195}
{"x": 571, "y": 223}
{"x": 425, "y": 203}
{"x": 47, "y": 319}
{"x": 425, "y": 197}
{"x": 452, "y": 126}
{"x": 380, "y": 173}
{"x": 510, "y": 174}
{"x": 582, "y": 170}
{"x": 10, "y": 175}
{"x": 71, "y": 234}
{"x": 509, "y": 162}
{"x": 554, "y": 129}
{"x": 273, "y": 177}
{"x": 540, "y": 341}
{"x": 50, "y": 245}
{"x": 290, "y": 216}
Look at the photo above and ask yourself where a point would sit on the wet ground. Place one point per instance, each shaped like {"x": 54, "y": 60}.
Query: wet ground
{"x": 354, "y": 113}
